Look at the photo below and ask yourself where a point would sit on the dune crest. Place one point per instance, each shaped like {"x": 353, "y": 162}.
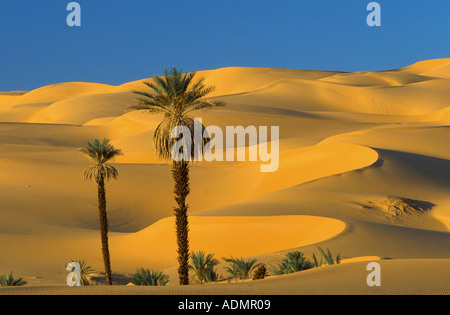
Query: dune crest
{"x": 439, "y": 68}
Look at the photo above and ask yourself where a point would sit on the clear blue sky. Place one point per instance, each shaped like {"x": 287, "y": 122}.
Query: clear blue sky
{"x": 121, "y": 41}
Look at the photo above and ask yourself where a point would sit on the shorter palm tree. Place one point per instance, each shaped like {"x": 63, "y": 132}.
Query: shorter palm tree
{"x": 100, "y": 153}
{"x": 150, "y": 278}
{"x": 240, "y": 268}
{"x": 202, "y": 266}
{"x": 293, "y": 262}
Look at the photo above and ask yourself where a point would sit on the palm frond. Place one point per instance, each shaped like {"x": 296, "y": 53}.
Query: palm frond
{"x": 317, "y": 263}
{"x": 150, "y": 278}
{"x": 328, "y": 257}
{"x": 240, "y": 268}
{"x": 10, "y": 281}
{"x": 205, "y": 104}
{"x": 149, "y": 106}
{"x": 145, "y": 93}
{"x": 293, "y": 262}
{"x": 164, "y": 138}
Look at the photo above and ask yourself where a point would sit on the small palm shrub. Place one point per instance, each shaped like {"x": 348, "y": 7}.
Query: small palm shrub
{"x": 293, "y": 262}
{"x": 85, "y": 270}
{"x": 10, "y": 281}
{"x": 260, "y": 272}
{"x": 151, "y": 278}
{"x": 327, "y": 257}
{"x": 239, "y": 268}
{"x": 202, "y": 266}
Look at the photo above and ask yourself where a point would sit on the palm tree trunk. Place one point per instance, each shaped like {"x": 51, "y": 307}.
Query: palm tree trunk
{"x": 104, "y": 229}
{"x": 180, "y": 174}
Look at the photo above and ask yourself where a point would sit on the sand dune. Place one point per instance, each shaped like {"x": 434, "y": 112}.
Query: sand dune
{"x": 225, "y": 237}
{"x": 364, "y": 164}
{"x": 438, "y": 68}
{"x": 376, "y": 78}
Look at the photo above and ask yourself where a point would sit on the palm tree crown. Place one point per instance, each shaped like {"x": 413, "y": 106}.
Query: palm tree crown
{"x": 100, "y": 153}
{"x": 175, "y": 95}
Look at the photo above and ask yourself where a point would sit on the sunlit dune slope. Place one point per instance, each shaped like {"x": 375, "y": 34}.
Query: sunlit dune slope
{"x": 439, "y": 68}
{"x": 225, "y": 236}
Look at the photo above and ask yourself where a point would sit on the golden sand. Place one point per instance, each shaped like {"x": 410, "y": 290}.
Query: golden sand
{"x": 356, "y": 150}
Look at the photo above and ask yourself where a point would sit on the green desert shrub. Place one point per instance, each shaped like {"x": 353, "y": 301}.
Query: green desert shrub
{"x": 293, "y": 262}
{"x": 151, "y": 278}
{"x": 202, "y": 266}
{"x": 326, "y": 258}
{"x": 240, "y": 268}
{"x": 10, "y": 281}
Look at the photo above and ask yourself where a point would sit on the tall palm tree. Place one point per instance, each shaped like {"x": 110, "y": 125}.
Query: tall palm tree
{"x": 100, "y": 153}
{"x": 176, "y": 95}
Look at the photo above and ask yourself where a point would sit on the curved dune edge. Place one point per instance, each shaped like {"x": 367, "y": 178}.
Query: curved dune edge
{"x": 311, "y": 163}
{"x": 359, "y": 259}
{"x": 444, "y": 220}
{"x": 224, "y": 236}
{"x": 295, "y": 167}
